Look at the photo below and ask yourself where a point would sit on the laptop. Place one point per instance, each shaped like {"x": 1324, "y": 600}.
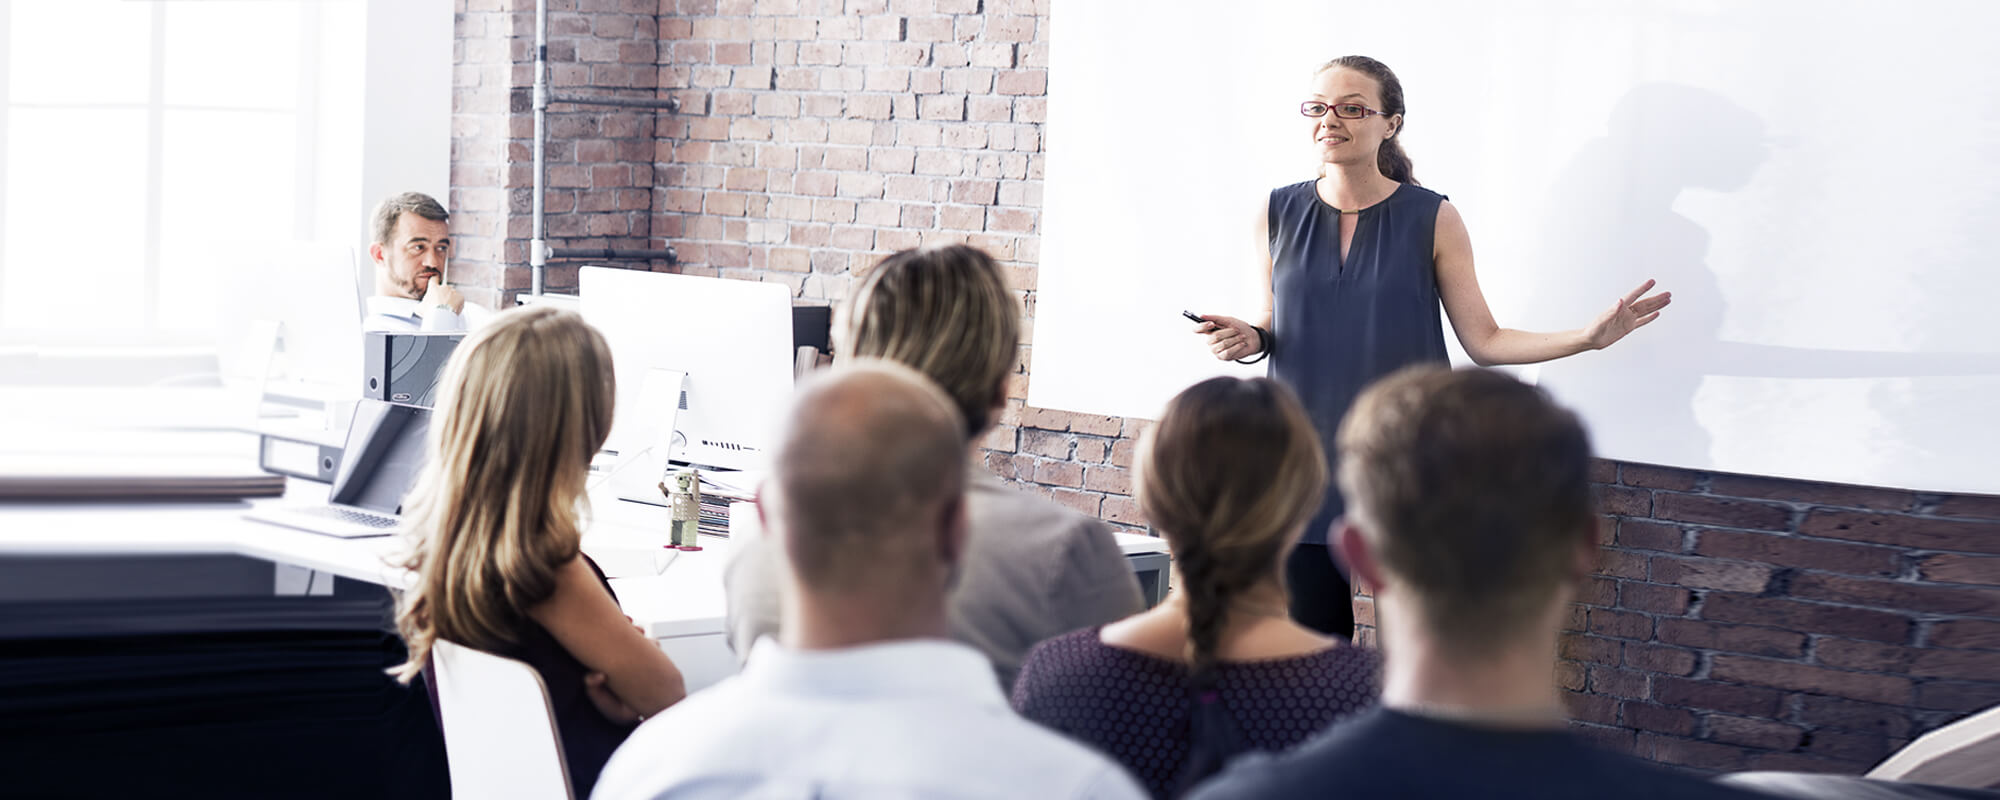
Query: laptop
{"x": 385, "y": 448}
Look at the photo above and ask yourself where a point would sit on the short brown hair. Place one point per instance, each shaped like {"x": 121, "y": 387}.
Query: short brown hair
{"x": 943, "y": 311}
{"x": 1474, "y": 489}
{"x": 391, "y": 211}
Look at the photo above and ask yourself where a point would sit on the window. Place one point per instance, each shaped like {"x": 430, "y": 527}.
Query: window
{"x": 145, "y": 144}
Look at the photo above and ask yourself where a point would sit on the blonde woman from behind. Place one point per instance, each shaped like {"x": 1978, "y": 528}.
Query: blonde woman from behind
{"x": 496, "y": 521}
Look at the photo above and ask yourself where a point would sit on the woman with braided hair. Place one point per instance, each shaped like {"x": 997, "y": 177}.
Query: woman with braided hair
{"x": 1229, "y": 476}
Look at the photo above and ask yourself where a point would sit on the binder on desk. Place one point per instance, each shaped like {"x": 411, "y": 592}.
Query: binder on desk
{"x": 128, "y": 477}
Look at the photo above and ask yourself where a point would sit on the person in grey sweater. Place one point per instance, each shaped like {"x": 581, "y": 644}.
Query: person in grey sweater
{"x": 1032, "y": 569}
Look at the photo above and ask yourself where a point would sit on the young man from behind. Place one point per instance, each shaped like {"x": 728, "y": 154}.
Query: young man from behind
{"x": 1470, "y": 517}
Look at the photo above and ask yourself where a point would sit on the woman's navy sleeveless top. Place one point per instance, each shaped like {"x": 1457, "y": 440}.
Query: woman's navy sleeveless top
{"x": 1340, "y": 325}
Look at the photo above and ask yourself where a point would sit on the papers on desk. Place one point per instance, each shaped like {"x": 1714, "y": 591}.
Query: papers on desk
{"x": 734, "y": 485}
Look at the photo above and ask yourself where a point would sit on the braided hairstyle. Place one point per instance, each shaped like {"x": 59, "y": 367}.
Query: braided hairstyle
{"x": 1230, "y": 475}
{"x": 1394, "y": 163}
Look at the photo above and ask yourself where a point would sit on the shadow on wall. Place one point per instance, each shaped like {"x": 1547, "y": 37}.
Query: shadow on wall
{"x": 1611, "y": 225}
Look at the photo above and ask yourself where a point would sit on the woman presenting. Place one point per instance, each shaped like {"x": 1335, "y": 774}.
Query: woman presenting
{"x": 1357, "y": 262}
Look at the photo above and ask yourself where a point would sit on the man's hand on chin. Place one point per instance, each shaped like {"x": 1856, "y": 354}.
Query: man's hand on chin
{"x": 440, "y": 295}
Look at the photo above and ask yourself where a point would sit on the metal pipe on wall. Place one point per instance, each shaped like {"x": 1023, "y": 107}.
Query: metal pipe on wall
{"x": 539, "y": 251}
{"x": 537, "y": 254}
{"x": 613, "y": 254}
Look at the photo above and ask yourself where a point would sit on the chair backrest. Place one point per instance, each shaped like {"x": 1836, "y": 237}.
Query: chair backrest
{"x": 499, "y": 731}
{"x": 1965, "y": 754}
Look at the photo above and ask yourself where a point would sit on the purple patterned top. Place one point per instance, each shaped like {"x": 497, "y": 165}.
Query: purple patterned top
{"x": 1136, "y": 707}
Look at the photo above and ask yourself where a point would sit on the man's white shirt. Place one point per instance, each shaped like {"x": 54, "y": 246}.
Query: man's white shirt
{"x": 399, "y": 314}
{"x": 906, "y": 719}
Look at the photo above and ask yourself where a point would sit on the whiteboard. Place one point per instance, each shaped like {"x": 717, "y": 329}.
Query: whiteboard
{"x": 1816, "y": 183}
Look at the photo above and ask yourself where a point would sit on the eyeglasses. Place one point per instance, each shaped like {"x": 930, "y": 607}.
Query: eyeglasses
{"x": 1316, "y": 109}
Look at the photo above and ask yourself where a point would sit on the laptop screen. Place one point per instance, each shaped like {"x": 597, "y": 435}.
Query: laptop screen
{"x": 385, "y": 448}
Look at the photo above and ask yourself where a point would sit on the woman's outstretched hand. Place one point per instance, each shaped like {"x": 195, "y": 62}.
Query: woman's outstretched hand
{"x": 1629, "y": 314}
{"x": 1229, "y": 338}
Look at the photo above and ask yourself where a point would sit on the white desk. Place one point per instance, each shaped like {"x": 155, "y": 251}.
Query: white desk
{"x": 681, "y": 605}
{"x": 676, "y": 597}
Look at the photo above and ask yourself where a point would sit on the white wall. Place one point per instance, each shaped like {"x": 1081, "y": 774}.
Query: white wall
{"x": 1812, "y": 180}
{"x": 406, "y": 111}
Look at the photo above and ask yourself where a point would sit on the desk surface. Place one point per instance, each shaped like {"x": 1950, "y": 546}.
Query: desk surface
{"x": 667, "y": 593}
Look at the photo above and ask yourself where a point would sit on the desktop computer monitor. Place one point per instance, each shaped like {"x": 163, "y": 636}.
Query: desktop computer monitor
{"x": 712, "y": 355}
{"x": 290, "y": 321}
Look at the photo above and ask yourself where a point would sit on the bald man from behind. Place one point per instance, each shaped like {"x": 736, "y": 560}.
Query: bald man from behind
{"x": 864, "y": 693}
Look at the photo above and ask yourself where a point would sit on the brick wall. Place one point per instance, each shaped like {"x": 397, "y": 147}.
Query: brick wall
{"x": 600, "y": 177}
{"x": 1741, "y": 622}
{"x": 1737, "y": 622}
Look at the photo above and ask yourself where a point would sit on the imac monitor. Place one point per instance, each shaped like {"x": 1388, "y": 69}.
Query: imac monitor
{"x": 726, "y": 344}
{"x": 302, "y": 294}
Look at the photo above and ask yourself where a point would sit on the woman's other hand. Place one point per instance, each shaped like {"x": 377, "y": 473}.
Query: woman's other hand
{"x": 1628, "y": 314}
{"x": 1229, "y": 338}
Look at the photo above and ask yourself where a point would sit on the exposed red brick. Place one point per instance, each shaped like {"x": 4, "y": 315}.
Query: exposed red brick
{"x": 1813, "y": 680}
{"x": 1759, "y": 733}
{"x": 1904, "y": 531}
{"x": 1965, "y": 634}
{"x": 1057, "y": 473}
{"x": 1792, "y": 551}
{"x": 1623, "y": 501}
{"x": 1710, "y": 573}
{"x": 1598, "y": 592}
{"x": 1961, "y": 664}
{"x": 1647, "y": 535}
{"x": 1603, "y": 471}
{"x": 1569, "y": 674}
{"x": 1732, "y": 638}
{"x": 1840, "y": 713}
{"x": 1659, "y": 659}
{"x": 1865, "y": 748}
{"x": 1954, "y": 568}
{"x": 1879, "y": 626}
{"x": 1957, "y": 695}
{"x": 1619, "y": 624}
{"x": 1867, "y": 656}
{"x": 1107, "y": 479}
{"x": 1589, "y": 649}
{"x": 1651, "y": 477}
{"x": 1898, "y": 595}
{"x": 1819, "y": 494}
{"x": 1591, "y": 708}
{"x": 1656, "y": 718}
{"x": 1621, "y": 563}
{"x": 1722, "y": 512}
{"x": 1082, "y": 502}
{"x": 1616, "y": 682}
{"x": 1689, "y": 693}
{"x": 1653, "y": 598}
{"x": 1968, "y": 505}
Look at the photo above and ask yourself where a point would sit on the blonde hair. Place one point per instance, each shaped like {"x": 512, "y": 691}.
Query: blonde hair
{"x": 1474, "y": 489}
{"x": 943, "y": 311}
{"x": 1230, "y": 475}
{"x": 524, "y": 404}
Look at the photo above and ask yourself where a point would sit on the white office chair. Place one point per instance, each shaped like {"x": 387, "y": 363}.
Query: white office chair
{"x": 499, "y": 732}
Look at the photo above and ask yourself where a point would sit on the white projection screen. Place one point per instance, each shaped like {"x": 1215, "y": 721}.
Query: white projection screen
{"x": 1816, "y": 182}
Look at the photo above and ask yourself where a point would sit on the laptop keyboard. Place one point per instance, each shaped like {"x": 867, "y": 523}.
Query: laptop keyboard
{"x": 349, "y": 515}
